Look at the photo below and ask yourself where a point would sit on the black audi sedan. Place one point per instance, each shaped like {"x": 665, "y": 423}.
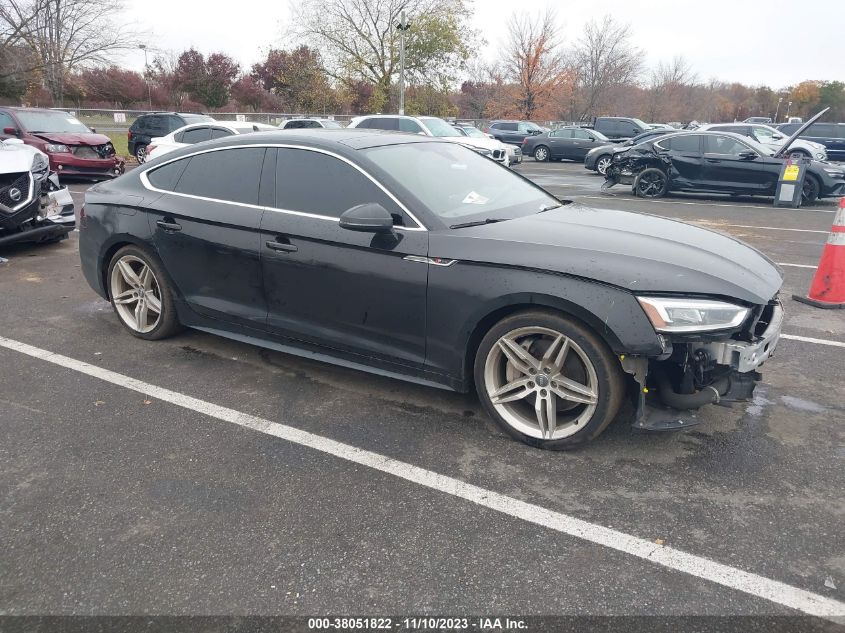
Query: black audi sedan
{"x": 717, "y": 162}
{"x": 419, "y": 259}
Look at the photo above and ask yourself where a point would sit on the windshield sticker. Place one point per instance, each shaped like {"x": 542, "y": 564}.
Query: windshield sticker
{"x": 475, "y": 198}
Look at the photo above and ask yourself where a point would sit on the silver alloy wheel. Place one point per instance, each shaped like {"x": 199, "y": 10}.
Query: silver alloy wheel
{"x": 141, "y": 153}
{"x": 541, "y": 383}
{"x": 136, "y": 294}
{"x": 541, "y": 154}
{"x": 602, "y": 164}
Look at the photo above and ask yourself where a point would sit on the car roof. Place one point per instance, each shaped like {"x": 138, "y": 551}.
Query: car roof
{"x": 344, "y": 141}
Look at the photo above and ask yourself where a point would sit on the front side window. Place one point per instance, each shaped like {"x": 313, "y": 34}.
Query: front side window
{"x": 473, "y": 132}
{"x": 231, "y": 175}
{"x": 439, "y": 127}
{"x": 581, "y": 134}
{"x": 457, "y": 184}
{"x": 6, "y": 121}
{"x": 220, "y": 132}
{"x": 726, "y": 145}
{"x": 407, "y": 125}
{"x": 313, "y": 182}
{"x": 763, "y": 134}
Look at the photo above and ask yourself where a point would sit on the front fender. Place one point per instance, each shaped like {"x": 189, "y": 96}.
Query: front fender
{"x": 457, "y": 318}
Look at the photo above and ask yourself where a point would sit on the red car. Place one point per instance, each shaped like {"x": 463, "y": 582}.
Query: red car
{"x": 73, "y": 148}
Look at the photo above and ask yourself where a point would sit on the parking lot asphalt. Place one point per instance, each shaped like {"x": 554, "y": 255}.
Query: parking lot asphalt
{"x": 117, "y": 502}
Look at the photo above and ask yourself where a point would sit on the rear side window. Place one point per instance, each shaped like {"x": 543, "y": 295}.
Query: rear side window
{"x": 230, "y": 174}
{"x": 382, "y": 123}
{"x": 822, "y": 129}
{"x": 510, "y": 127}
{"x": 220, "y": 132}
{"x": 686, "y": 144}
{"x": 196, "y": 135}
{"x": 166, "y": 176}
{"x": 561, "y": 134}
{"x": 312, "y": 182}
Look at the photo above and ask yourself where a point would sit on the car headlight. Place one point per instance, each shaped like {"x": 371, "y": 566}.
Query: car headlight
{"x": 821, "y": 155}
{"x": 40, "y": 163}
{"x": 56, "y": 148}
{"x": 669, "y": 314}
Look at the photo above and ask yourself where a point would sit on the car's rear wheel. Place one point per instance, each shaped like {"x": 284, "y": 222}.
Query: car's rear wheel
{"x": 547, "y": 380}
{"x": 810, "y": 189}
{"x": 141, "y": 153}
{"x": 602, "y": 164}
{"x": 141, "y": 295}
{"x": 651, "y": 183}
{"x": 541, "y": 153}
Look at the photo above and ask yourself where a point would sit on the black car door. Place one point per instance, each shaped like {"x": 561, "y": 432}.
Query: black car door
{"x": 732, "y": 166}
{"x": 685, "y": 154}
{"x": 205, "y": 229}
{"x": 352, "y": 291}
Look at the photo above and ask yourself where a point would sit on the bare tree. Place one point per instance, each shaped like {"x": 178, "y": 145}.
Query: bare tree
{"x": 604, "y": 60}
{"x": 358, "y": 39}
{"x": 66, "y": 34}
{"x": 533, "y": 59}
{"x": 669, "y": 89}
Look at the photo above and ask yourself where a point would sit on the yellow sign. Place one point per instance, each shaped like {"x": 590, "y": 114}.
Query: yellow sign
{"x": 791, "y": 172}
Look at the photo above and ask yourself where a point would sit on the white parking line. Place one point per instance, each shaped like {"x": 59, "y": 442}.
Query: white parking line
{"x": 795, "y": 265}
{"x": 709, "y": 204}
{"x": 725, "y": 575}
{"x": 807, "y": 339}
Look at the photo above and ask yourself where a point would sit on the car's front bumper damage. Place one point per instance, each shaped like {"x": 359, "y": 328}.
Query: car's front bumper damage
{"x": 694, "y": 373}
{"x": 49, "y": 216}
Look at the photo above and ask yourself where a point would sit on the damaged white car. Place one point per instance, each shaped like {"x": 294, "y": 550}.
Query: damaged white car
{"x": 33, "y": 206}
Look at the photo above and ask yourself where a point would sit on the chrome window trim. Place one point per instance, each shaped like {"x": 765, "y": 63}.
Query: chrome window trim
{"x": 148, "y": 185}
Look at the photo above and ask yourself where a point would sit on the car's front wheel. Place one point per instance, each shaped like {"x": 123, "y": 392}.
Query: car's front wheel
{"x": 141, "y": 295}
{"x": 602, "y": 164}
{"x": 810, "y": 190}
{"x": 548, "y": 380}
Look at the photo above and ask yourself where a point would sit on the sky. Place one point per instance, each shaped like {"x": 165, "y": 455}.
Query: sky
{"x": 759, "y": 42}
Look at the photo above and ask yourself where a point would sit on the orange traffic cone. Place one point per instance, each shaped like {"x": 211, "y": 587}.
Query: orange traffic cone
{"x": 828, "y": 287}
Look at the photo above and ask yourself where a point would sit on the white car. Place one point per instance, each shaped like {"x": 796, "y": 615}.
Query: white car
{"x": 433, "y": 126}
{"x": 771, "y": 138}
{"x": 199, "y": 132}
{"x": 306, "y": 123}
{"x": 33, "y": 206}
{"x": 514, "y": 151}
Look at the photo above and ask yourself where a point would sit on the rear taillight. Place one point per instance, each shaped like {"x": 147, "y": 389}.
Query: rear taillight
{"x": 525, "y": 141}
{"x": 150, "y": 148}
{"x": 129, "y": 135}
{"x": 80, "y": 221}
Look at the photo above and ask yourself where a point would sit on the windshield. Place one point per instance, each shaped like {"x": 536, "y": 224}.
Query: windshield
{"x": 473, "y": 132}
{"x": 599, "y": 135}
{"x": 642, "y": 124}
{"x": 439, "y": 127}
{"x": 457, "y": 184}
{"x": 331, "y": 125}
{"x": 55, "y": 122}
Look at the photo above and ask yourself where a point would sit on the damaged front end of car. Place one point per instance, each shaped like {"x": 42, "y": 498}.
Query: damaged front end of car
{"x": 34, "y": 207}
{"x": 649, "y": 173}
{"x": 712, "y": 352}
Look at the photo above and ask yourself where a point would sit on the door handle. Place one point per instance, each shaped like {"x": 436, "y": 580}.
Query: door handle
{"x": 712, "y": 160}
{"x": 282, "y": 247}
{"x": 169, "y": 226}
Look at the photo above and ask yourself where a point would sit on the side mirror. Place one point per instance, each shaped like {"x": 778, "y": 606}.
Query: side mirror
{"x": 778, "y": 137}
{"x": 490, "y": 136}
{"x": 93, "y": 130}
{"x": 748, "y": 155}
{"x": 370, "y": 217}
{"x": 11, "y": 131}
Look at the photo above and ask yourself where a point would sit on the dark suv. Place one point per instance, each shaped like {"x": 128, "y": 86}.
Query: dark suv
{"x": 513, "y": 132}
{"x": 619, "y": 128}
{"x": 831, "y": 135}
{"x": 155, "y": 124}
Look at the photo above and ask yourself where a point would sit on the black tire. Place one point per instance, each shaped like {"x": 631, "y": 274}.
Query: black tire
{"x": 541, "y": 154}
{"x": 799, "y": 153}
{"x": 610, "y": 383}
{"x": 810, "y": 189}
{"x": 168, "y": 323}
{"x": 651, "y": 183}
{"x": 141, "y": 153}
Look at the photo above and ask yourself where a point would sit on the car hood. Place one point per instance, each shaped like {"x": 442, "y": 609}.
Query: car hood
{"x": 641, "y": 253}
{"x": 16, "y": 157}
{"x": 608, "y": 147}
{"x": 73, "y": 138}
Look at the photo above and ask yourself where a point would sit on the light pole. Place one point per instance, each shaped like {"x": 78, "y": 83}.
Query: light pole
{"x": 403, "y": 26}
{"x": 143, "y": 47}
{"x": 788, "y": 108}
{"x": 780, "y": 99}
